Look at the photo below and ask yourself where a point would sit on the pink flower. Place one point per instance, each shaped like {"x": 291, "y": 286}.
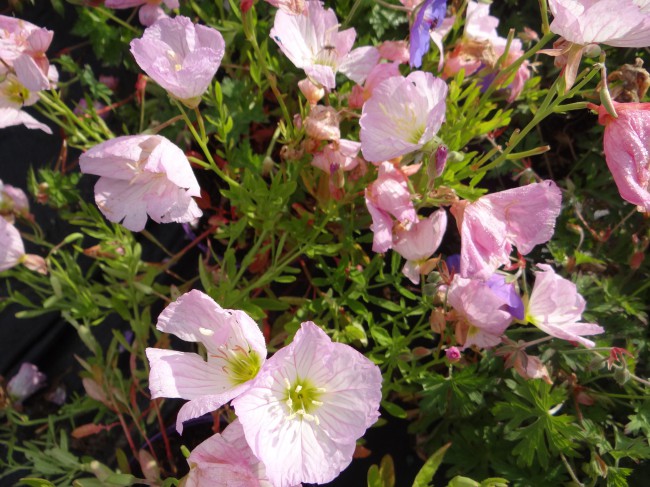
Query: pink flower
{"x": 13, "y": 201}
{"x": 307, "y": 407}
{"x": 627, "y": 150}
{"x": 12, "y": 249}
{"x": 313, "y": 43}
{"x": 150, "y": 10}
{"x": 402, "y": 115}
{"x": 226, "y": 459}
{"x": 483, "y": 310}
{"x": 379, "y": 73}
{"x": 142, "y": 175}
{"x": 13, "y": 116}
{"x": 418, "y": 242}
{"x": 489, "y": 227}
{"x": 236, "y": 351}
{"x": 555, "y": 307}
{"x": 388, "y": 195}
{"x": 397, "y": 51}
{"x": 453, "y": 354}
{"x": 26, "y": 382}
{"x": 22, "y": 49}
{"x": 180, "y": 56}
{"x": 619, "y": 23}
{"x": 338, "y": 155}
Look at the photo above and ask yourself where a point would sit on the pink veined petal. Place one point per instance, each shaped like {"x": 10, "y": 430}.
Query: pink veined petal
{"x": 30, "y": 74}
{"x": 11, "y": 245}
{"x": 296, "y": 449}
{"x": 195, "y": 317}
{"x": 14, "y": 116}
{"x": 382, "y": 228}
{"x": 114, "y": 158}
{"x": 484, "y": 247}
{"x": 423, "y": 238}
{"x": 593, "y": 21}
{"x": 627, "y": 151}
{"x": 322, "y": 75}
{"x": 169, "y": 159}
{"x": 530, "y": 213}
{"x": 359, "y": 62}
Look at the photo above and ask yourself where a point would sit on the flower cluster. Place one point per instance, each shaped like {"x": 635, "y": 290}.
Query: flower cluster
{"x": 299, "y": 413}
{"x": 24, "y": 70}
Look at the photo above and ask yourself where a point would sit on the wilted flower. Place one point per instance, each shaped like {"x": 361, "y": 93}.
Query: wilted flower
{"x": 313, "y": 43}
{"x": 180, "y": 56}
{"x": 418, "y": 241}
{"x": 236, "y": 351}
{"x": 142, "y": 175}
{"x": 397, "y": 51}
{"x": 150, "y": 10}
{"x": 556, "y": 307}
{"x": 429, "y": 17}
{"x": 26, "y": 382}
{"x": 388, "y": 195}
{"x": 490, "y": 226}
{"x": 402, "y": 115}
{"x": 626, "y": 143}
{"x": 322, "y": 123}
{"x": 226, "y": 459}
{"x": 307, "y": 407}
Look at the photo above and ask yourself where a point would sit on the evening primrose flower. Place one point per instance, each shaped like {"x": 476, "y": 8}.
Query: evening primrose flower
{"x": 490, "y": 226}
{"x": 180, "y": 56}
{"x": 556, "y": 307}
{"x": 626, "y": 144}
{"x": 312, "y": 42}
{"x": 402, "y": 115}
{"x": 618, "y": 23}
{"x": 235, "y": 347}
{"x": 142, "y": 175}
{"x": 483, "y": 308}
{"x": 307, "y": 407}
{"x": 226, "y": 459}
{"x": 12, "y": 250}
{"x": 417, "y": 243}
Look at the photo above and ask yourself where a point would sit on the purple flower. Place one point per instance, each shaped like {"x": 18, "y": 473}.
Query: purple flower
{"x": 514, "y": 305}
{"x": 430, "y": 16}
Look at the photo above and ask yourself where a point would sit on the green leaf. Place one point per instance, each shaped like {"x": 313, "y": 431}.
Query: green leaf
{"x": 424, "y": 478}
{"x": 394, "y": 410}
{"x": 34, "y": 482}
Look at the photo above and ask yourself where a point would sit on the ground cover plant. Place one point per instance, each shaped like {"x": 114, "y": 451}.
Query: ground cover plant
{"x": 286, "y": 228}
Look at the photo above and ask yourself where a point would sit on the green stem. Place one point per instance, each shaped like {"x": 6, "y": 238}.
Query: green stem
{"x": 543, "y": 7}
{"x": 204, "y": 147}
{"x": 109, "y": 15}
{"x": 261, "y": 59}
